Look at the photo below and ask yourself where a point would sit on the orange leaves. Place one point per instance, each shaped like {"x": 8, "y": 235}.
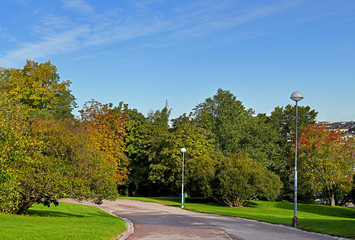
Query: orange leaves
{"x": 327, "y": 157}
{"x": 105, "y": 127}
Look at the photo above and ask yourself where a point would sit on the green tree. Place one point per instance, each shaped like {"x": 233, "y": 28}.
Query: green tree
{"x": 234, "y": 129}
{"x": 138, "y": 141}
{"x": 283, "y": 121}
{"x": 38, "y": 86}
{"x": 200, "y": 172}
{"x": 161, "y": 171}
{"x": 225, "y": 118}
{"x": 239, "y": 178}
{"x": 184, "y": 133}
{"x": 326, "y": 162}
{"x": 261, "y": 142}
{"x": 154, "y": 150}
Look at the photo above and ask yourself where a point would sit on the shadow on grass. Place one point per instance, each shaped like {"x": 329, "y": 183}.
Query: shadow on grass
{"x": 343, "y": 228}
{"x": 320, "y": 209}
{"x": 51, "y": 213}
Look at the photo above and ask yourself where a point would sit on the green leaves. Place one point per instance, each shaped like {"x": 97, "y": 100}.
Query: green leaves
{"x": 37, "y": 86}
{"x": 225, "y": 118}
{"x": 239, "y": 178}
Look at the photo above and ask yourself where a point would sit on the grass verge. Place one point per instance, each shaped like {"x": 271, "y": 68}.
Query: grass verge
{"x": 336, "y": 221}
{"x": 67, "y": 221}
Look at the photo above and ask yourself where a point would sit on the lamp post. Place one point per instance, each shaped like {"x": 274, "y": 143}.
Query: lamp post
{"x": 296, "y": 96}
{"x": 183, "y": 150}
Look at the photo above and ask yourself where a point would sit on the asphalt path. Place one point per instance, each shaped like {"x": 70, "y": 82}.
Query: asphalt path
{"x": 156, "y": 221}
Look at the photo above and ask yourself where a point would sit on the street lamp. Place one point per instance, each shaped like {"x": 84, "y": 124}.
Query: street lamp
{"x": 296, "y": 96}
{"x": 183, "y": 150}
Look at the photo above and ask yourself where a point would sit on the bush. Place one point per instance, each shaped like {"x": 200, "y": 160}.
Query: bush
{"x": 239, "y": 178}
{"x": 199, "y": 172}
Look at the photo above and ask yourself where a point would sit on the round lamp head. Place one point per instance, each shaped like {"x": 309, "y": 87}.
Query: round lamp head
{"x": 183, "y": 150}
{"x": 296, "y": 96}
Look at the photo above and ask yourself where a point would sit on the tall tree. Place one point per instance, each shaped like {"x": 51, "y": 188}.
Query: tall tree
{"x": 284, "y": 118}
{"x": 38, "y": 86}
{"x": 234, "y": 129}
{"x": 158, "y": 142}
{"x": 283, "y": 121}
{"x": 138, "y": 140}
{"x": 185, "y": 134}
{"x": 326, "y": 162}
{"x": 154, "y": 150}
{"x": 105, "y": 127}
{"x": 261, "y": 142}
{"x": 225, "y": 118}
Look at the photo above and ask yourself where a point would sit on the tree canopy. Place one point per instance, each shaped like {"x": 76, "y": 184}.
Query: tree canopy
{"x": 47, "y": 159}
{"x": 38, "y": 86}
{"x": 326, "y": 162}
{"x": 233, "y": 155}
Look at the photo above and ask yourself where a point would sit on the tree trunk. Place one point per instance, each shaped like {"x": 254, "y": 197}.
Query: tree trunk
{"x": 25, "y": 205}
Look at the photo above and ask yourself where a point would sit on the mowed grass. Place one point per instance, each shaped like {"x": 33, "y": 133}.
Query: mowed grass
{"x": 67, "y": 221}
{"x": 337, "y": 221}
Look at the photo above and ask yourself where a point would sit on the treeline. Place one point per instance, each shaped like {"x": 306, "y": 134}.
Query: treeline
{"x": 232, "y": 154}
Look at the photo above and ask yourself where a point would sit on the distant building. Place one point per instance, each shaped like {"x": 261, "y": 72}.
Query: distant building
{"x": 342, "y": 127}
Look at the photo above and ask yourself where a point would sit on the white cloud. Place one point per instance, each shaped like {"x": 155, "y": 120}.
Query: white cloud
{"x": 79, "y": 6}
{"x": 59, "y": 43}
{"x": 24, "y": 3}
{"x": 4, "y": 34}
{"x": 62, "y": 33}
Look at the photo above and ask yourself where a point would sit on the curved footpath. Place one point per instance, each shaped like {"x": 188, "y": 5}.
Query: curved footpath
{"x": 156, "y": 221}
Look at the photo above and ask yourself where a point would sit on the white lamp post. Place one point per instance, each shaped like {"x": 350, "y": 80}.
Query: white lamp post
{"x": 296, "y": 96}
{"x": 183, "y": 150}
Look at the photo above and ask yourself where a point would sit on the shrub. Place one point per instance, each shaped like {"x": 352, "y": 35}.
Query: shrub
{"x": 239, "y": 178}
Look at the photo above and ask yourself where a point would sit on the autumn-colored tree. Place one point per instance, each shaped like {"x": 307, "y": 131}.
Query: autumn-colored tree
{"x": 38, "y": 86}
{"x": 70, "y": 165}
{"x": 47, "y": 159}
{"x": 326, "y": 162}
{"x": 13, "y": 146}
{"x": 105, "y": 127}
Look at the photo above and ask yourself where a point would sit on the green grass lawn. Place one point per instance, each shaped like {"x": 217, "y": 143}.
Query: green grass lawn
{"x": 67, "y": 221}
{"x": 337, "y": 221}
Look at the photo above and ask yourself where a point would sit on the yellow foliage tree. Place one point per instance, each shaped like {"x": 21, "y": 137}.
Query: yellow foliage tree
{"x": 38, "y": 86}
{"x": 105, "y": 127}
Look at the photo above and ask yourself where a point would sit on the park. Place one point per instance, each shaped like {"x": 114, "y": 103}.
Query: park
{"x": 227, "y": 159}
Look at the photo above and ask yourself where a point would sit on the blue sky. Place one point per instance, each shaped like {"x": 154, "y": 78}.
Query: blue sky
{"x": 181, "y": 51}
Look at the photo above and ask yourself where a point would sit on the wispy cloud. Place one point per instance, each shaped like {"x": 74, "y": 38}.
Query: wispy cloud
{"x": 87, "y": 27}
{"x": 49, "y": 45}
{"x": 4, "y": 34}
{"x": 79, "y": 6}
{"x": 24, "y": 3}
